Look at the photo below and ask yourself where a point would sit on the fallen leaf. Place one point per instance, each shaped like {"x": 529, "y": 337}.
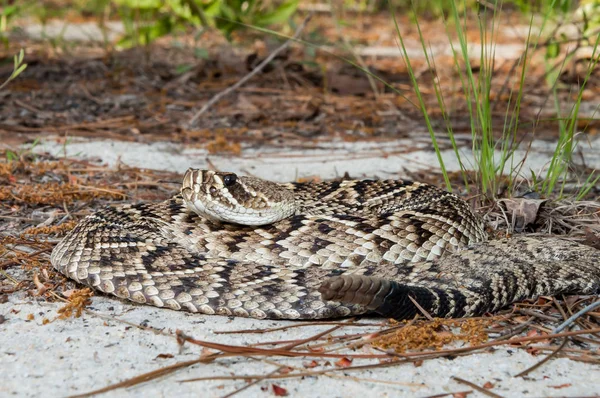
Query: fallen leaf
{"x": 344, "y": 363}
{"x": 311, "y": 364}
{"x": 279, "y": 391}
{"x": 488, "y": 384}
{"x": 523, "y": 211}
{"x": 461, "y": 394}
{"x": 533, "y": 333}
{"x": 591, "y": 239}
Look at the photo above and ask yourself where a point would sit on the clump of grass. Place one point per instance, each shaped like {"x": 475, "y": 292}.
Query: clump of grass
{"x": 18, "y": 68}
{"x": 568, "y": 123}
{"x": 494, "y": 157}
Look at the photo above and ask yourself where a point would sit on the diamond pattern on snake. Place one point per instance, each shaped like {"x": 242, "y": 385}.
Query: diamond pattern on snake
{"x": 238, "y": 245}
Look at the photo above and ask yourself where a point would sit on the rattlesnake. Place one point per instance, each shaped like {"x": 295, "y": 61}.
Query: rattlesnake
{"x": 235, "y": 245}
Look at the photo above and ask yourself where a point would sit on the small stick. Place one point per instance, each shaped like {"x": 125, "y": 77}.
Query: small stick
{"x": 256, "y": 381}
{"x": 543, "y": 361}
{"x": 536, "y": 314}
{"x": 280, "y": 328}
{"x": 476, "y": 387}
{"x": 423, "y": 311}
{"x": 254, "y": 71}
{"x": 16, "y": 259}
{"x": 447, "y": 394}
{"x": 574, "y": 317}
{"x": 317, "y": 336}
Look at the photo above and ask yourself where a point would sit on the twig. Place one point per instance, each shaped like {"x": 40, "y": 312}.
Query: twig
{"x": 15, "y": 260}
{"x": 286, "y": 327}
{"x": 231, "y": 394}
{"x": 423, "y": 311}
{"x": 476, "y": 387}
{"x": 539, "y": 315}
{"x": 560, "y": 308}
{"x": 141, "y": 378}
{"x": 301, "y": 374}
{"x": 255, "y": 351}
{"x": 247, "y": 351}
{"x": 315, "y": 337}
{"x": 574, "y": 317}
{"x": 543, "y": 361}
{"x": 453, "y": 394}
{"x": 254, "y": 71}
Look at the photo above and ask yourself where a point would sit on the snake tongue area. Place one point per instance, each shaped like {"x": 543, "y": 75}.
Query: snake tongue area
{"x": 349, "y": 247}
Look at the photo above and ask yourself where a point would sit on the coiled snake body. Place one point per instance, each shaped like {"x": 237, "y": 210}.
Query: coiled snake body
{"x": 242, "y": 246}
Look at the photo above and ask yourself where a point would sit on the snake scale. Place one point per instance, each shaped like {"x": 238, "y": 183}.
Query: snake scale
{"x": 234, "y": 245}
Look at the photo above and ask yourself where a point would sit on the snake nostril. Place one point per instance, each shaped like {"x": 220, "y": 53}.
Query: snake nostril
{"x": 213, "y": 190}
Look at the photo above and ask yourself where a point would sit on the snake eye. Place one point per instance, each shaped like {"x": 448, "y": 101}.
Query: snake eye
{"x": 213, "y": 190}
{"x": 229, "y": 179}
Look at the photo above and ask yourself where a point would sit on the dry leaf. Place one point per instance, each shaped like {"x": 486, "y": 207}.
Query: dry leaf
{"x": 462, "y": 394}
{"x": 533, "y": 351}
{"x": 279, "y": 391}
{"x": 311, "y": 364}
{"x": 591, "y": 239}
{"x": 523, "y": 211}
{"x": 533, "y": 333}
{"x": 344, "y": 363}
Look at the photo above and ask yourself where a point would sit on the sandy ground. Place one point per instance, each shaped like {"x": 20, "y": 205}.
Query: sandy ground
{"x": 74, "y": 356}
{"x": 115, "y": 341}
{"x": 382, "y": 159}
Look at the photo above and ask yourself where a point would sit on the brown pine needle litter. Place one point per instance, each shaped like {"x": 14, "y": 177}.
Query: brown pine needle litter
{"x": 76, "y": 302}
{"x": 42, "y": 197}
{"x": 435, "y": 334}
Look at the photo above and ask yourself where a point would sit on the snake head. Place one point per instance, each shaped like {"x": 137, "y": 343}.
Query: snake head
{"x": 227, "y": 197}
